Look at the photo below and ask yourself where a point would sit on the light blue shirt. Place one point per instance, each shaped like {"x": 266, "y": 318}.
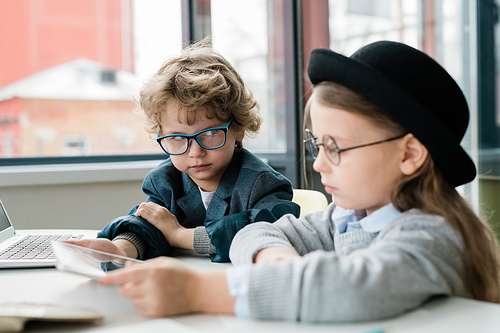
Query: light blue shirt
{"x": 345, "y": 220}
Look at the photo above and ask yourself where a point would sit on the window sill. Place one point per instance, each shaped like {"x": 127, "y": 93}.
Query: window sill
{"x": 55, "y": 174}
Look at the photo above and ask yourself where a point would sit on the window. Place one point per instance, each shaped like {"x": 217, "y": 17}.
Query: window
{"x": 488, "y": 110}
{"x": 80, "y": 65}
{"x": 76, "y": 145}
{"x": 256, "y": 37}
{"x": 244, "y": 34}
{"x": 69, "y": 80}
{"x": 354, "y": 23}
{"x": 438, "y": 27}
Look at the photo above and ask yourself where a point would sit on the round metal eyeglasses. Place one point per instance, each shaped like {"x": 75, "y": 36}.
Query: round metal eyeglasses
{"x": 331, "y": 149}
{"x": 210, "y": 138}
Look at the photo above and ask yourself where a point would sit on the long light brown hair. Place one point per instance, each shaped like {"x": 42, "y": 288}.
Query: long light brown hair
{"x": 428, "y": 191}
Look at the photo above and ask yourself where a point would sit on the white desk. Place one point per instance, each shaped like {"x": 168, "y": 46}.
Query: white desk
{"x": 48, "y": 285}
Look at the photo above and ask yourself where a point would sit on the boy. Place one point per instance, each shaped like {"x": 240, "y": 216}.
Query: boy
{"x": 211, "y": 186}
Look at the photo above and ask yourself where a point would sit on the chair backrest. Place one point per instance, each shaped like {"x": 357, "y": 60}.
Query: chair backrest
{"x": 309, "y": 200}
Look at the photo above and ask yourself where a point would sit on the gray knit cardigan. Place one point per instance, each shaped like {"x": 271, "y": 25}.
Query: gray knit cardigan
{"x": 354, "y": 276}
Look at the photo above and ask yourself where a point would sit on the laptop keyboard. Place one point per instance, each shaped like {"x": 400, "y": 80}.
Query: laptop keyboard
{"x": 34, "y": 247}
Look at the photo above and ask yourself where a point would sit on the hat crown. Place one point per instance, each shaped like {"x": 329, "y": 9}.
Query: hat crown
{"x": 421, "y": 77}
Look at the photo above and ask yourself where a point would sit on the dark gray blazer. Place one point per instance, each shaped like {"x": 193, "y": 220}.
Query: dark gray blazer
{"x": 250, "y": 191}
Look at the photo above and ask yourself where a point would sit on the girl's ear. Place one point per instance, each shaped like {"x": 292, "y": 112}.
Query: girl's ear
{"x": 415, "y": 155}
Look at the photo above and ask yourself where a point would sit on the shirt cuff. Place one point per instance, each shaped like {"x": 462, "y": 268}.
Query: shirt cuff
{"x": 138, "y": 242}
{"x": 237, "y": 278}
{"x": 201, "y": 242}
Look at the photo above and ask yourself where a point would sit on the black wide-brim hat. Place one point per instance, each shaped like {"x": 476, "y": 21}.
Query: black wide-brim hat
{"x": 414, "y": 90}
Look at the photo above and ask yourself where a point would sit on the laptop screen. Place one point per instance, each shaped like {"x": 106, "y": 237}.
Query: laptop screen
{"x": 4, "y": 220}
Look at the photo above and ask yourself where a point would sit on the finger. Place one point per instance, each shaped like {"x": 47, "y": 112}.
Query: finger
{"x": 149, "y": 206}
{"x": 144, "y": 214}
{"x": 140, "y": 208}
{"x": 132, "y": 290}
{"x": 153, "y": 208}
{"x": 145, "y": 210}
{"x": 129, "y": 263}
{"x": 152, "y": 204}
{"x": 81, "y": 242}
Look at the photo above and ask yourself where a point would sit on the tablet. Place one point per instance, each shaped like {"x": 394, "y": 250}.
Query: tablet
{"x": 86, "y": 261}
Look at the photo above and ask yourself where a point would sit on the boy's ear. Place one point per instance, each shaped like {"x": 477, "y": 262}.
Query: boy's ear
{"x": 240, "y": 136}
{"x": 415, "y": 155}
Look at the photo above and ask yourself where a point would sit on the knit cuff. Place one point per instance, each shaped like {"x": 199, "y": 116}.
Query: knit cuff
{"x": 138, "y": 242}
{"x": 201, "y": 242}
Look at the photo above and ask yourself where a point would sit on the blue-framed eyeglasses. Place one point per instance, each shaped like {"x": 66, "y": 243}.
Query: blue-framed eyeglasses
{"x": 331, "y": 149}
{"x": 210, "y": 138}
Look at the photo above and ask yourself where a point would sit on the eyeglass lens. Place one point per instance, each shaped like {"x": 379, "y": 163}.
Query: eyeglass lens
{"x": 329, "y": 144}
{"x": 311, "y": 144}
{"x": 209, "y": 139}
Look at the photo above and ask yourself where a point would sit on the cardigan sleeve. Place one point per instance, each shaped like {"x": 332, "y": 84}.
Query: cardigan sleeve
{"x": 402, "y": 268}
{"x": 311, "y": 232}
{"x": 269, "y": 200}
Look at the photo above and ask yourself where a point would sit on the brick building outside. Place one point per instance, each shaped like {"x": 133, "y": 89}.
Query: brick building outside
{"x": 66, "y": 80}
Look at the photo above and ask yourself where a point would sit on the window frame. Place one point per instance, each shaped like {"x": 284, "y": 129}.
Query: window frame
{"x": 286, "y": 163}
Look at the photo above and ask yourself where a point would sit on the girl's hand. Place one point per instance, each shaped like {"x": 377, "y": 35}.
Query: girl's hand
{"x": 120, "y": 247}
{"x": 275, "y": 253}
{"x": 167, "y": 223}
{"x": 166, "y": 287}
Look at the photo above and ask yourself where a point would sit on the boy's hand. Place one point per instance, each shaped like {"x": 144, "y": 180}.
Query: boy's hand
{"x": 275, "y": 253}
{"x": 166, "y": 287}
{"x": 167, "y": 223}
{"x": 120, "y": 247}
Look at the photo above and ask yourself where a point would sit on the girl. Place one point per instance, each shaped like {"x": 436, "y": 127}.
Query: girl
{"x": 386, "y": 130}
{"x": 210, "y": 186}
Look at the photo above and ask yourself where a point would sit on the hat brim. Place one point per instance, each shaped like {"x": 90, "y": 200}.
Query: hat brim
{"x": 455, "y": 164}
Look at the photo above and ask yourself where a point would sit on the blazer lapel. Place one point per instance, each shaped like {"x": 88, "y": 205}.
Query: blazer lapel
{"x": 222, "y": 196}
{"x": 191, "y": 203}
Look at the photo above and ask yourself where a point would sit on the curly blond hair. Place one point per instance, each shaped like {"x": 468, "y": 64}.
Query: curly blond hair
{"x": 200, "y": 80}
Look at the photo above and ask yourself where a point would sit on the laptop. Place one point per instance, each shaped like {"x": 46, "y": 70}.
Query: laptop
{"x": 32, "y": 248}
